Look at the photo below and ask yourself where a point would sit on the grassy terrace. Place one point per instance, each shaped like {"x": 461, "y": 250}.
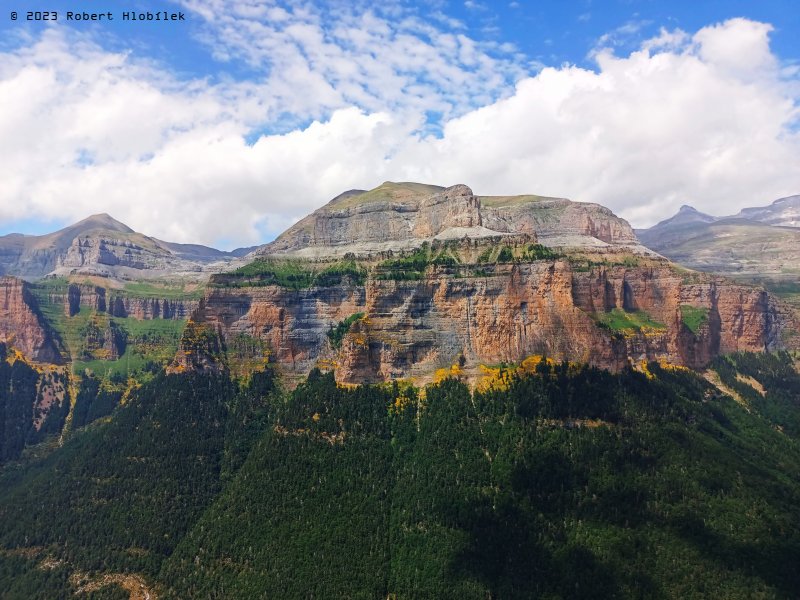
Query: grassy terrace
{"x": 167, "y": 291}
{"x": 414, "y": 265}
{"x": 290, "y": 274}
{"x": 694, "y": 317}
{"x": 496, "y": 201}
{"x": 153, "y": 341}
{"x": 583, "y": 264}
{"x": 298, "y": 274}
{"x": 622, "y": 321}
{"x": 390, "y": 192}
{"x": 507, "y": 254}
{"x": 787, "y": 290}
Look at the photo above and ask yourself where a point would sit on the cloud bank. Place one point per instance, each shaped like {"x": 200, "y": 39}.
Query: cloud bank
{"x": 708, "y": 118}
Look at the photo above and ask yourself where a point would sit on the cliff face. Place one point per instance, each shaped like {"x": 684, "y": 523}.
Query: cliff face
{"x": 397, "y": 216}
{"x": 557, "y": 222}
{"x": 122, "y": 305}
{"x": 110, "y": 251}
{"x": 21, "y": 323}
{"x": 412, "y": 328}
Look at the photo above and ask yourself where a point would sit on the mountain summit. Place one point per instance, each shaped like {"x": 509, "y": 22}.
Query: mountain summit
{"x": 102, "y": 221}
{"x": 102, "y": 245}
{"x": 784, "y": 212}
{"x": 758, "y": 244}
{"x": 403, "y": 215}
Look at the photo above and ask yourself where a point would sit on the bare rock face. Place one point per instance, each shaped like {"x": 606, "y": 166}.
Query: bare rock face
{"x": 390, "y": 213}
{"x": 101, "y": 250}
{"x": 100, "y": 245}
{"x": 557, "y": 222}
{"x": 21, "y": 323}
{"x": 122, "y": 305}
{"x": 401, "y": 216}
{"x": 412, "y": 328}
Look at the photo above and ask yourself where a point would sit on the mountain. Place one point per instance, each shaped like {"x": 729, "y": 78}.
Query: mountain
{"x": 557, "y": 412}
{"x": 758, "y": 245}
{"x": 101, "y": 245}
{"x": 733, "y": 247}
{"x": 783, "y": 212}
{"x": 686, "y": 217}
{"x": 401, "y": 216}
{"x": 407, "y": 279}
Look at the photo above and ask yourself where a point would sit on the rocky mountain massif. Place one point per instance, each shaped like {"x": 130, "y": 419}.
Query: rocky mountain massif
{"x": 491, "y": 461}
{"x": 759, "y": 245}
{"x": 102, "y": 246}
{"x": 413, "y": 279}
{"x": 400, "y": 216}
{"x": 403, "y": 282}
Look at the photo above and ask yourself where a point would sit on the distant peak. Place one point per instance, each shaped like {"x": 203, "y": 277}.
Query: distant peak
{"x": 686, "y": 208}
{"x": 103, "y": 221}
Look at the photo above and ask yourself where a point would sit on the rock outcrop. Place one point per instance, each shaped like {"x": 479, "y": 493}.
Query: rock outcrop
{"x": 401, "y": 216}
{"x": 505, "y": 313}
{"x": 22, "y": 325}
{"x": 101, "y": 245}
{"x": 119, "y": 304}
{"x": 557, "y": 222}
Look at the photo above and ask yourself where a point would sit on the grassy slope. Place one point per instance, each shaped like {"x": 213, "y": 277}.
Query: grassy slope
{"x": 498, "y": 201}
{"x": 149, "y": 341}
{"x": 620, "y": 320}
{"x": 388, "y": 192}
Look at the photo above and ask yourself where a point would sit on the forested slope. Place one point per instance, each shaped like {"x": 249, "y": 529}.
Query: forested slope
{"x": 559, "y": 481}
{"x": 569, "y": 483}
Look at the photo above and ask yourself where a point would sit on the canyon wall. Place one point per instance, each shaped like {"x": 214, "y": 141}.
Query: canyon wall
{"x": 22, "y": 325}
{"x": 411, "y": 328}
{"x": 119, "y": 304}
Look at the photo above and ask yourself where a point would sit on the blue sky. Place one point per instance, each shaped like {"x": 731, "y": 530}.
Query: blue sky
{"x": 226, "y": 128}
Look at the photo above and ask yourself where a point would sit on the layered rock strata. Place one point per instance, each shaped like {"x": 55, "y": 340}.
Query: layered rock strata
{"x": 401, "y": 216}
{"x": 505, "y": 313}
{"x": 117, "y": 304}
{"x": 21, "y": 323}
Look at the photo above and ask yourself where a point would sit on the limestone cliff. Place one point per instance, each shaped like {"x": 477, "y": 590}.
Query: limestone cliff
{"x": 22, "y": 325}
{"x": 120, "y": 304}
{"x": 606, "y": 315}
{"x": 401, "y": 216}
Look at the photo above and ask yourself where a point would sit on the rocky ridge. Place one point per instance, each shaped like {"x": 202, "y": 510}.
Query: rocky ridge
{"x": 783, "y": 212}
{"x": 402, "y": 216}
{"x": 759, "y": 245}
{"x": 101, "y": 245}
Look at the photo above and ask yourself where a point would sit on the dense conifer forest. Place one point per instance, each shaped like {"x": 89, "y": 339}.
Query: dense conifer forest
{"x": 563, "y": 482}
